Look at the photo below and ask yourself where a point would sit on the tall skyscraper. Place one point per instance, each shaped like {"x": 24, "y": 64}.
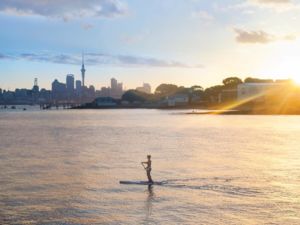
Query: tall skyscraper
{"x": 58, "y": 90}
{"x": 114, "y": 84}
{"x": 120, "y": 87}
{"x": 70, "y": 83}
{"x": 116, "y": 89}
{"x": 78, "y": 86}
{"x": 83, "y": 71}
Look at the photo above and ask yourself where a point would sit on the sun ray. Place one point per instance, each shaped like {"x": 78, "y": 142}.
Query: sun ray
{"x": 280, "y": 99}
{"x": 236, "y": 104}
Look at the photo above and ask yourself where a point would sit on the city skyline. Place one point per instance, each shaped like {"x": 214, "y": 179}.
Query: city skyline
{"x": 158, "y": 42}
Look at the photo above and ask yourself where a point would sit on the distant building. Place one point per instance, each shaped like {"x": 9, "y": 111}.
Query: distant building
{"x": 120, "y": 87}
{"x": 258, "y": 91}
{"x": 91, "y": 91}
{"x": 196, "y": 99}
{"x": 116, "y": 89}
{"x": 70, "y": 83}
{"x": 59, "y": 90}
{"x": 8, "y": 95}
{"x": 113, "y": 84}
{"x": 23, "y": 96}
{"x": 228, "y": 95}
{"x": 35, "y": 87}
{"x": 78, "y": 88}
{"x": 78, "y": 85}
{"x": 22, "y": 93}
{"x": 35, "y": 92}
{"x": 70, "y": 86}
{"x": 177, "y": 100}
{"x": 146, "y": 88}
{"x": 105, "y": 92}
{"x": 83, "y": 71}
{"x": 45, "y": 96}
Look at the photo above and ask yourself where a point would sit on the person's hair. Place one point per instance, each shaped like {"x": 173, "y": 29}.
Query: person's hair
{"x": 148, "y": 156}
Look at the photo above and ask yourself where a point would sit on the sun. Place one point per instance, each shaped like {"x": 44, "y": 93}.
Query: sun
{"x": 281, "y": 68}
{"x": 282, "y": 61}
{"x": 296, "y": 79}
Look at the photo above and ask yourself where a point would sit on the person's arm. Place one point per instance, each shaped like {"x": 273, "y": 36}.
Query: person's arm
{"x": 145, "y": 163}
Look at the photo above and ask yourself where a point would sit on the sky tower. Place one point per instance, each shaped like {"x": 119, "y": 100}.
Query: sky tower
{"x": 83, "y": 70}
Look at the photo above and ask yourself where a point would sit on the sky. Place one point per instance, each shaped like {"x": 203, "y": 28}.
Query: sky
{"x": 184, "y": 42}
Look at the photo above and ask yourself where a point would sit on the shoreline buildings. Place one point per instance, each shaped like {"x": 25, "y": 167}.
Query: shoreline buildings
{"x": 72, "y": 92}
{"x": 146, "y": 88}
{"x": 114, "y": 91}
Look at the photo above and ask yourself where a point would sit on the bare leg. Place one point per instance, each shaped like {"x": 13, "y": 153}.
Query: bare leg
{"x": 149, "y": 176}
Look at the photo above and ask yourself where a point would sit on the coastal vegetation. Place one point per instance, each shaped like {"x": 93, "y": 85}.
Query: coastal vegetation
{"x": 232, "y": 96}
{"x": 208, "y": 96}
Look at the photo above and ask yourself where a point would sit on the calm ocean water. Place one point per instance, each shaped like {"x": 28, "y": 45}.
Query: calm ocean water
{"x": 64, "y": 167}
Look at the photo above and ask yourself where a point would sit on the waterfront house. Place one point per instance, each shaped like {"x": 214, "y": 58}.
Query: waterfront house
{"x": 259, "y": 91}
{"x": 177, "y": 100}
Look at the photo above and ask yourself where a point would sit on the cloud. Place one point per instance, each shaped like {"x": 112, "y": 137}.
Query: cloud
{"x": 277, "y": 5}
{"x": 253, "y": 36}
{"x": 247, "y": 6}
{"x": 4, "y": 56}
{"x": 203, "y": 15}
{"x": 260, "y": 37}
{"x": 289, "y": 37}
{"x": 87, "y": 26}
{"x": 99, "y": 59}
{"x": 272, "y": 1}
{"x": 64, "y": 9}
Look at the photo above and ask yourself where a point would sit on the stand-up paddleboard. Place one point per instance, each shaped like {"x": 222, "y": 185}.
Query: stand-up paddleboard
{"x": 141, "y": 182}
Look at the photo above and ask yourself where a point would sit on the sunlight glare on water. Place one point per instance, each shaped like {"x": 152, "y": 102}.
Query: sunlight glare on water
{"x": 64, "y": 167}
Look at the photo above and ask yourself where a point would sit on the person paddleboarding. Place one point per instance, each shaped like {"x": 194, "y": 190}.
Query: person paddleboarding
{"x": 147, "y": 167}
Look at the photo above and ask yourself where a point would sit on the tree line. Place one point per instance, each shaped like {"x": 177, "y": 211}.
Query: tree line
{"x": 206, "y": 95}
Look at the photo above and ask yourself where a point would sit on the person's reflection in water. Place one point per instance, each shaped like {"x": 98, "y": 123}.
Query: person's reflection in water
{"x": 149, "y": 200}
